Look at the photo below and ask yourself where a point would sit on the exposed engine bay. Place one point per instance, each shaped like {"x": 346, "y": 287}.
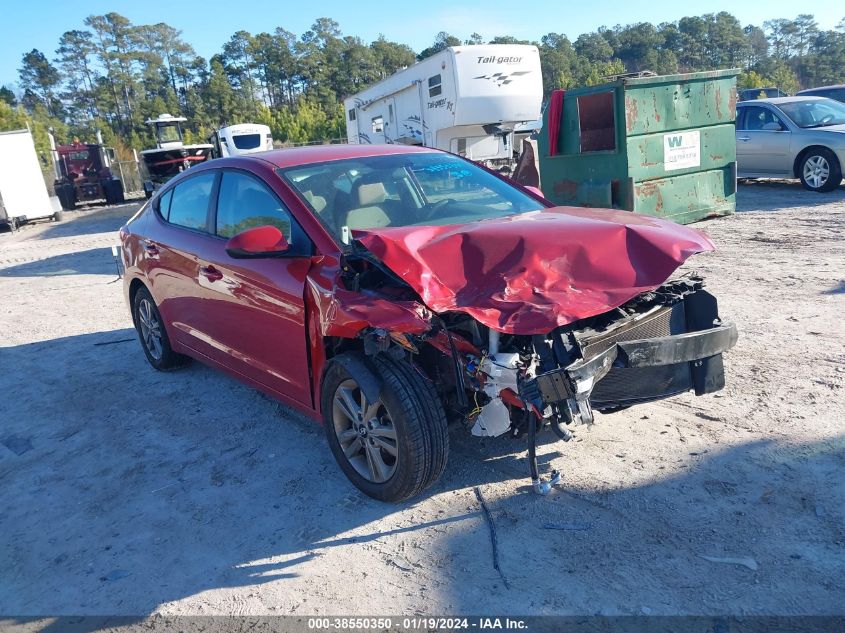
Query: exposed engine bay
{"x": 658, "y": 344}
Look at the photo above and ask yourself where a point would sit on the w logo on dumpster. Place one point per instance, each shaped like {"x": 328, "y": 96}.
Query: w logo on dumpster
{"x": 681, "y": 150}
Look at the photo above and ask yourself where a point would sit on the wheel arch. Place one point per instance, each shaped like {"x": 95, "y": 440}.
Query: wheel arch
{"x": 335, "y": 347}
{"x": 134, "y": 286}
{"x": 355, "y": 361}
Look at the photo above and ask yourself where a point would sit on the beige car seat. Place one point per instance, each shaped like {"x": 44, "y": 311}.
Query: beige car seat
{"x": 369, "y": 214}
{"x": 318, "y": 203}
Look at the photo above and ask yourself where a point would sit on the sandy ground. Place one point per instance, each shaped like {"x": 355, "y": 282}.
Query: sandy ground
{"x": 127, "y": 491}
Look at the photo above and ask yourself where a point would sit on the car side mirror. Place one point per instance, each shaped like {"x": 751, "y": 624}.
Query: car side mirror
{"x": 535, "y": 191}
{"x": 773, "y": 126}
{"x": 258, "y": 242}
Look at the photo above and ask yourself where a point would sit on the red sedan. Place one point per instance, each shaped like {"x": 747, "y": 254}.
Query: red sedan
{"x": 391, "y": 291}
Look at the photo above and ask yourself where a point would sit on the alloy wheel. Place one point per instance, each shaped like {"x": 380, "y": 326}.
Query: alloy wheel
{"x": 365, "y": 433}
{"x": 150, "y": 328}
{"x": 816, "y": 171}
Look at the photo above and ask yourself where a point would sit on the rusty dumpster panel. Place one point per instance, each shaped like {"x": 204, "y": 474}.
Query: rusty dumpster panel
{"x": 679, "y": 102}
{"x": 646, "y": 153}
{"x": 688, "y": 197}
{"x": 648, "y": 145}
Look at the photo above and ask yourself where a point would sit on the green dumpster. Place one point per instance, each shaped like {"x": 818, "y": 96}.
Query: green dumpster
{"x": 658, "y": 145}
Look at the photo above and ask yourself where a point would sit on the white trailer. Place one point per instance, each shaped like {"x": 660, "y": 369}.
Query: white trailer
{"x": 23, "y": 192}
{"x": 240, "y": 139}
{"x": 465, "y": 100}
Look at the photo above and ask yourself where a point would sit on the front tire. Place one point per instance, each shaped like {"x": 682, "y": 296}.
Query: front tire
{"x": 67, "y": 196}
{"x": 395, "y": 446}
{"x": 113, "y": 191}
{"x": 820, "y": 170}
{"x": 152, "y": 333}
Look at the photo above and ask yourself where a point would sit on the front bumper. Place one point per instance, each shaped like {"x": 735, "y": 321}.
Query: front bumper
{"x": 692, "y": 349}
{"x": 668, "y": 350}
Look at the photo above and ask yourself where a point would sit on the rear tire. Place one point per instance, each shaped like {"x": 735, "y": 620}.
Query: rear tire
{"x": 153, "y": 334}
{"x": 405, "y": 427}
{"x": 820, "y": 170}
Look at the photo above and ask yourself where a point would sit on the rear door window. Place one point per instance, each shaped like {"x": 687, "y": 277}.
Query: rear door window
{"x": 190, "y": 201}
{"x": 740, "y": 118}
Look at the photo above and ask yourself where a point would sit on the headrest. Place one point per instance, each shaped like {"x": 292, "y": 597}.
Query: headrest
{"x": 367, "y": 218}
{"x": 371, "y": 193}
{"x": 318, "y": 202}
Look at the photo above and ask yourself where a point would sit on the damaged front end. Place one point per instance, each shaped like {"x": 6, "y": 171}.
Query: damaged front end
{"x": 664, "y": 340}
{"x": 657, "y": 345}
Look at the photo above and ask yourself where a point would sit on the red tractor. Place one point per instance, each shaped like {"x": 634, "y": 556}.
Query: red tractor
{"x": 85, "y": 175}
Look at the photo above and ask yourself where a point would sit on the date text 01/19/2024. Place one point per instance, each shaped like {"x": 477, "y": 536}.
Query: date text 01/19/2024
{"x": 421, "y": 623}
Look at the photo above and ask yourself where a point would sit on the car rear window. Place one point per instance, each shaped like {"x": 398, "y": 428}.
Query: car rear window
{"x": 189, "y": 202}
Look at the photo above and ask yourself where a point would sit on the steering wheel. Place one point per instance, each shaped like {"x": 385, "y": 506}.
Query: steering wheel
{"x": 826, "y": 119}
{"x": 434, "y": 208}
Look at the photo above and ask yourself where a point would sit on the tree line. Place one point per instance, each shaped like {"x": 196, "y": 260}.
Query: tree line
{"x": 112, "y": 75}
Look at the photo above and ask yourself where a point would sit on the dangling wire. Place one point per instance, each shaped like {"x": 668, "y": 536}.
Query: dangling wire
{"x": 477, "y": 408}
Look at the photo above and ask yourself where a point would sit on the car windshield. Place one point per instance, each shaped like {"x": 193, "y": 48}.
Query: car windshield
{"x": 814, "y": 113}
{"x": 403, "y": 190}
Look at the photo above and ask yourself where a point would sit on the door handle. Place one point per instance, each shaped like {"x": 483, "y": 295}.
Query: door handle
{"x": 150, "y": 247}
{"x": 211, "y": 273}
{"x": 743, "y": 138}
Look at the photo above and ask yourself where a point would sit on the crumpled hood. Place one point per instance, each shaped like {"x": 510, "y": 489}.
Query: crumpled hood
{"x": 529, "y": 273}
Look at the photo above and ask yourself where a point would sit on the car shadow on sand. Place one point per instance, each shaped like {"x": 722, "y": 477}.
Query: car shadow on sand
{"x": 92, "y": 220}
{"x": 95, "y": 261}
{"x": 126, "y": 489}
{"x": 838, "y": 289}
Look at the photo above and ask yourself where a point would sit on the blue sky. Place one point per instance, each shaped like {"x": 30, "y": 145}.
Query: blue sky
{"x": 207, "y": 24}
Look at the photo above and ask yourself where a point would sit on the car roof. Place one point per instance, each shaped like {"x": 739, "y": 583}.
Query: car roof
{"x": 779, "y": 100}
{"x": 322, "y": 153}
{"x": 834, "y": 87}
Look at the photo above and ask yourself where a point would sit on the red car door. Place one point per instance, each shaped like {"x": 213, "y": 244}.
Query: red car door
{"x": 255, "y": 314}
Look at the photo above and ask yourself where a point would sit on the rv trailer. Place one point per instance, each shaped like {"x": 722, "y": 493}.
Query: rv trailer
{"x": 465, "y": 100}
{"x": 240, "y": 139}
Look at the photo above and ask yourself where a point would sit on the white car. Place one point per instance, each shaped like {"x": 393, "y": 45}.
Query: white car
{"x": 792, "y": 137}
